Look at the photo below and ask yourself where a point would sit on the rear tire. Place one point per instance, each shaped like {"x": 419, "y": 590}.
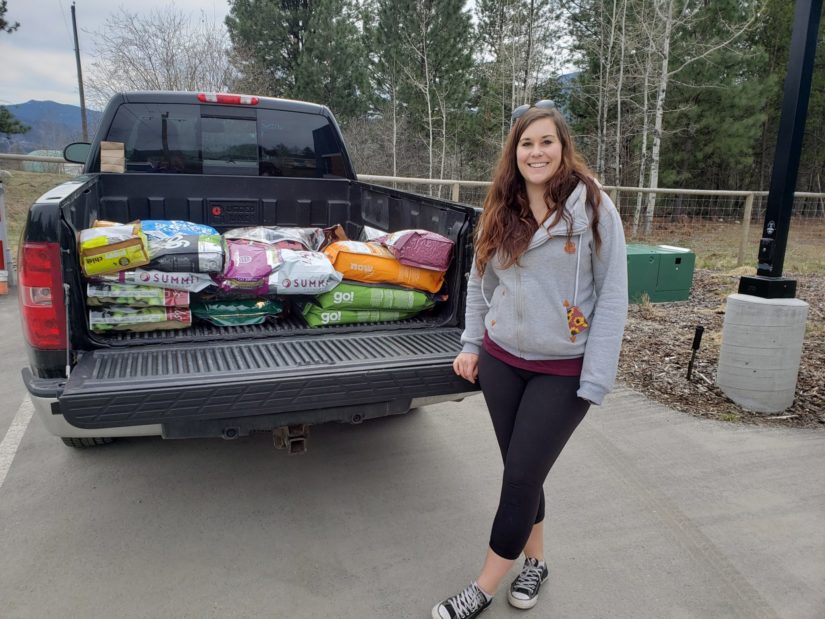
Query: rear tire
{"x": 84, "y": 443}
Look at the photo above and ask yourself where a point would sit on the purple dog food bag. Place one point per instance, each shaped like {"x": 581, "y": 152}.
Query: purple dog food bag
{"x": 420, "y": 248}
{"x": 248, "y": 266}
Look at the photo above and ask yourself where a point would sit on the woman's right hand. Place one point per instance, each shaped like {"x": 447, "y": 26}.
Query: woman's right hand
{"x": 466, "y": 366}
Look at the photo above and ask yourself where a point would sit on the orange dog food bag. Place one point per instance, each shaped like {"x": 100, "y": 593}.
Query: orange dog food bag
{"x": 374, "y": 264}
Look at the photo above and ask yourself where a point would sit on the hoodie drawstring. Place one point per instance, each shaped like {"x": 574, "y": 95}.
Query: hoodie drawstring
{"x": 578, "y": 264}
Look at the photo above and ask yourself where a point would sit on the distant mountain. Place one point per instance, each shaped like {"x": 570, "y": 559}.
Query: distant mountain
{"x": 53, "y": 125}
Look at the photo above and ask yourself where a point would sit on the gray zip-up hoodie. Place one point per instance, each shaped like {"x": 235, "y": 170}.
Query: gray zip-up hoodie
{"x": 530, "y": 309}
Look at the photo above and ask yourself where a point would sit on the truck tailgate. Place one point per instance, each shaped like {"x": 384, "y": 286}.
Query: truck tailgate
{"x": 119, "y": 387}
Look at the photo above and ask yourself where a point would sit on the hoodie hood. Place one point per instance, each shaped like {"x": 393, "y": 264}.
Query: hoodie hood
{"x": 575, "y": 205}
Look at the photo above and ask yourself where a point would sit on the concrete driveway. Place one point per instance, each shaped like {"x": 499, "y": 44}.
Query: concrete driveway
{"x": 651, "y": 513}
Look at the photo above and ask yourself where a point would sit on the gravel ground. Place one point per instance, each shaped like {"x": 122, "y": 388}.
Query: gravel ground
{"x": 657, "y": 349}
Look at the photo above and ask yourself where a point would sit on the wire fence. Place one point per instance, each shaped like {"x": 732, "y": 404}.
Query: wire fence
{"x": 713, "y": 222}
{"x": 38, "y": 163}
{"x": 721, "y": 221}
{"x": 695, "y": 207}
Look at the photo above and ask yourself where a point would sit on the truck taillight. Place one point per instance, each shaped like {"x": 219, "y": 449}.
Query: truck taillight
{"x": 218, "y": 97}
{"x": 42, "y": 308}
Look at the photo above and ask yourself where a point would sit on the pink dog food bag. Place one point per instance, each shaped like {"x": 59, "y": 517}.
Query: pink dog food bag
{"x": 248, "y": 265}
{"x": 420, "y": 248}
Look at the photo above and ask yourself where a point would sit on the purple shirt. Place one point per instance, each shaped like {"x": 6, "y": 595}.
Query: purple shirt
{"x": 555, "y": 367}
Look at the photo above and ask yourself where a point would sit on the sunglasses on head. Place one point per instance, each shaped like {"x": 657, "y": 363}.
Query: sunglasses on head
{"x": 546, "y": 104}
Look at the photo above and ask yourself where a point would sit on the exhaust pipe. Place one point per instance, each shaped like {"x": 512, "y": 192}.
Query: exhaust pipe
{"x": 292, "y": 438}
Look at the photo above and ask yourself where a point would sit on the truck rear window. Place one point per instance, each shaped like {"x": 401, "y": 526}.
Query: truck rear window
{"x": 195, "y": 139}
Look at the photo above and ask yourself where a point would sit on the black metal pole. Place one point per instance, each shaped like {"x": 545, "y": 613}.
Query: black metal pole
{"x": 768, "y": 281}
{"x": 697, "y": 341}
{"x": 80, "y": 79}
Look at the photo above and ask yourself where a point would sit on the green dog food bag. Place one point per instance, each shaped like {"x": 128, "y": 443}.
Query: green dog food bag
{"x": 236, "y": 312}
{"x": 135, "y": 296}
{"x": 351, "y": 296}
{"x": 124, "y": 318}
{"x": 319, "y": 317}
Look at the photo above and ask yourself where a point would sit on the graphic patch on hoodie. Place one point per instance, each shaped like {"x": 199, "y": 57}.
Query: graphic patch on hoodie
{"x": 576, "y": 321}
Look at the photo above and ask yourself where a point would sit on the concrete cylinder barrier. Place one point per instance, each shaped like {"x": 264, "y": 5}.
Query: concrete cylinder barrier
{"x": 761, "y": 351}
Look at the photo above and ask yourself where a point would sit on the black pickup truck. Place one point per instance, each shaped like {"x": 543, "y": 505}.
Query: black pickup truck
{"x": 227, "y": 161}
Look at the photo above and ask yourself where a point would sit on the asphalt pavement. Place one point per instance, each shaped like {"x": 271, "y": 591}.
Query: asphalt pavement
{"x": 651, "y": 513}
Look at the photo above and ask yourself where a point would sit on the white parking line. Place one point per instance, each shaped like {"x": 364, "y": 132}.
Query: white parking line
{"x": 8, "y": 448}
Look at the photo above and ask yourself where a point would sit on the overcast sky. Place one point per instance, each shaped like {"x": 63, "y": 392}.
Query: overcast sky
{"x": 37, "y": 60}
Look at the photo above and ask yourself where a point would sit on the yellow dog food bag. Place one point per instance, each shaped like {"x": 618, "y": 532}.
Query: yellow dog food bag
{"x": 372, "y": 263}
{"x": 110, "y": 249}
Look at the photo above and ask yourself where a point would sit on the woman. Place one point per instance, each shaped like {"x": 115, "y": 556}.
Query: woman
{"x": 546, "y": 308}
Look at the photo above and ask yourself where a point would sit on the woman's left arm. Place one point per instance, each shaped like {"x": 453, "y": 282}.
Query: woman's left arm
{"x": 604, "y": 342}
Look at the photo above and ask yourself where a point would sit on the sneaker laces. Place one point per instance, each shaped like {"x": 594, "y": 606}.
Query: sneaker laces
{"x": 529, "y": 578}
{"x": 467, "y": 601}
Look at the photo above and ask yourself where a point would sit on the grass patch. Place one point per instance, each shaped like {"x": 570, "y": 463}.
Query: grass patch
{"x": 716, "y": 245}
{"x": 22, "y": 190}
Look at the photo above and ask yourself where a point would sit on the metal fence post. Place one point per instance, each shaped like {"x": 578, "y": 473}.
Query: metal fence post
{"x": 746, "y": 228}
{"x": 456, "y": 191}
{"x": 5, "y": 250}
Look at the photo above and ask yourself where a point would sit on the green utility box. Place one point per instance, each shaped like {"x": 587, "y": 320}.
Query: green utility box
{"x": 664, "y": 272}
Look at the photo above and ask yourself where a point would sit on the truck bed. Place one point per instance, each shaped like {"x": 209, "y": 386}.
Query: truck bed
{"x": 229, "y": 202}
{"x": 203, "y": 380}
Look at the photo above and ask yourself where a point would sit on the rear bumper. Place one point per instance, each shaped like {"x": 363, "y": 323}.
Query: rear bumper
{"x": 296, "y": 399}
{"x": 47, "y": 410}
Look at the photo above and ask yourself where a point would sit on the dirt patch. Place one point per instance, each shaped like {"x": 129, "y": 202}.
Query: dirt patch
{"x": 657, "y": 349}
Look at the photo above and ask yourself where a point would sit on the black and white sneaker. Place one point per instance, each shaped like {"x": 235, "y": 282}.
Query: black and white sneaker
{"x": 465, "y": 605}
{"x": 524, "y": 590}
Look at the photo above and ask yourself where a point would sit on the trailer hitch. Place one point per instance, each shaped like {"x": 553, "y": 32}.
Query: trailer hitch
{"x": 292, "y": 438}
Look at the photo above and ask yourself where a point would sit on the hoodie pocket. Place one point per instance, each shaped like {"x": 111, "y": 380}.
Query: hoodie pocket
{"x": 576, "y": 320}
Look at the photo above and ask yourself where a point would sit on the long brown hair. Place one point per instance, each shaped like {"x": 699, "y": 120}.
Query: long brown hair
{"x": 507, "y": 224}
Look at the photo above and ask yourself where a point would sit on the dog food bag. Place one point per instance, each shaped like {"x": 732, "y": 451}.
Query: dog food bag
{"x": 187, "y": 253}
{"x": 361, "y": 297}
{"x": 161, "y": 228}
{"x": 236, "y": 312}
{"x": 318, "y": 317}
{"x": 303, "y": 272}
{"x": 134, "y": 296}
{"x": 190, "y": 282}
{"x": 284, "y": 237}
{"x": 248, "y": 266}
{"x": 111, "y": 249}
{"x": 373, "y": 263}
{"x": 420, "y": 248}
{"x": 368, "y": 233}
{"x": 309, "y": 239}
{"x": 123, "y": 318}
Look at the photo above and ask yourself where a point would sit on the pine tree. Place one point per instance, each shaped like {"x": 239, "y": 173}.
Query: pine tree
{"x": 5, "y": 25}
{"x": 720, "y": 107}
{"x": 268, "y": 37}
{"x": 332, "y": 66}
{"x": 387, "y": 76}
{"x": 9, "y": 125}
{"x": 773, "y": 36}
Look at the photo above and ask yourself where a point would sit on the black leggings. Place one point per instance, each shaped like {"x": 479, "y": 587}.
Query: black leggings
{"x": 533, "y": 416}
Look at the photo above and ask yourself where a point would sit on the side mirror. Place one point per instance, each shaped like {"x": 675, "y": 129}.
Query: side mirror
{"x": 77, "y": 152}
